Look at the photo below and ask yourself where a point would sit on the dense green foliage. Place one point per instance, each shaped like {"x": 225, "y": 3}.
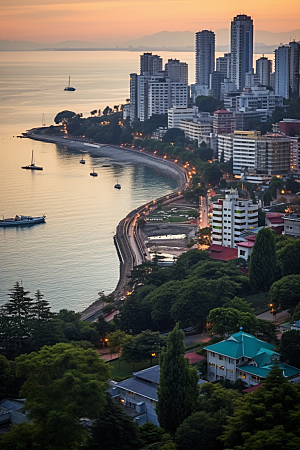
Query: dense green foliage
{"x": 207, "y": 103}
{"x": 285, "y": 293}
{"x": 262, "y": 268}
{"x": 289, "y": 348}
{"x": 178, "y": 389}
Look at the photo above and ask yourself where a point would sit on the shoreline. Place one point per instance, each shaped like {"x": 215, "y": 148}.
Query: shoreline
{"x": 132, "y": 252}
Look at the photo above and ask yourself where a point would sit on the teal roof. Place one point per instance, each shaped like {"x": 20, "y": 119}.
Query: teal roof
{"x": 288, "y": 371}
{"x": 264, "y": 356}
{"x": 241, "y": 344}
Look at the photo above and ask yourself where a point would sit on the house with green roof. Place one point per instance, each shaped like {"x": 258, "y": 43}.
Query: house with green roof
{"x": 243, "y": 356}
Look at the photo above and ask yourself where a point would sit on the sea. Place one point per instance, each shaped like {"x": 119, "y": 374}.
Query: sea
{"x": 71, "y": 257}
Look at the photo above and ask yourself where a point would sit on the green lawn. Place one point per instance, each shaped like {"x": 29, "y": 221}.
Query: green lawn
{"x": 259, "y": 302}
{"x": 121, "y": 369}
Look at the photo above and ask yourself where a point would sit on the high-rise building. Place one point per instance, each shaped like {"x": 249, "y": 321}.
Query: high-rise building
{"x": 223, "y": 65}
{"x": 205, "y": 56}
{"x": 273, "y": 154}
{"x": 176, "y": 70}
{"x": 230, "y": 217}
{"x": 223, "y": 122}
{"x": 263, "y": 70}
{"x": 150, "y": 64}
{"x": 241, "y": 49}
{"x": 215, "y": 81}
{"x": 164, "y": 93}
{"x": 282, "y": 71}
{"x": 294, "y": 68}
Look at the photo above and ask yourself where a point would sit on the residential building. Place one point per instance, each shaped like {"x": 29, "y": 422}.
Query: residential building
{"x": 245, "y": 357}
{"x": 176, "y": 113}
{"x": 164, "y": 93}
{"x": 176, "y": 70}
{"x": 196, "y": 129}
{"x": 263, "y": 70}
{"x": 223, "y": 122}
{"x": 292, "y": 225}
{"x": 241, "y": 49}
{"x": 251, "y": 80}
{"x": 198, "y": 90}
{"x": 223, "y": 65}
{"x": 225, "y": 147}
{"x": 150, "y": 64}
{"x": 205, "y": 56}
{"x": 273, "y": 155}
{"x": 294, "y": 68}
{"x": 215, "y": 81}
{"x": 289, "y": 126}
{"x": 245, "y": 247}
{"x": 244, "y": 151}
{"x": 295, "y": 154}
{"x": 249, "y": 120}
{"x": 226, "y": 87}
{"x": 126, "y": 110}
{"x": 230, "y": 217}
{"x": 252, "y": 99}
{"x": 282, "y": 71}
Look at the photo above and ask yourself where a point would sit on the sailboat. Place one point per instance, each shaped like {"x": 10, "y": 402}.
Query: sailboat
{"x": 69, "y": 88}
{"x": 117, "y": 185}
{"x": 82, "y": 161}
{"x": 32, "y": 166}
{"x": 93, "y": 174}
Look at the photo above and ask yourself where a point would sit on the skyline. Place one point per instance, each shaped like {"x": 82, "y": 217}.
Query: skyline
{"x": 115, "y": 21}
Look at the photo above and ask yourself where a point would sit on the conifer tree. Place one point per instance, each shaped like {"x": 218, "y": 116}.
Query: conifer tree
{"x": 178, "y": 387}
{"x": 262, "y": 268}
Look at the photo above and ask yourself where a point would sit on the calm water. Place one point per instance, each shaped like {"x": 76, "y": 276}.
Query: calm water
{"x": 71, "y": 257}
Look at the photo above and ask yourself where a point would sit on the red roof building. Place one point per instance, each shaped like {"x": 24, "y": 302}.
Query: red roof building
{"x": 194, "y": 357}
{"x": 221, "y": 253}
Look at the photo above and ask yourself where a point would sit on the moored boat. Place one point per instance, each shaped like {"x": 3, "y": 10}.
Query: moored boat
{"x": 21, "y": 220}
{"x": 69, "y": 88}
{"x": 32, "y": 166}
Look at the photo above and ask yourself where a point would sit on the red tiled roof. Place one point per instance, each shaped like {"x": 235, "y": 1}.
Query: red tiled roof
{"x": 275, "y": 219}
{"x": 194, "y": 357}
{"x": 252, "y": 388}
{"x": 222, "y": 111}
{"x": 274, "y": 214}
{"x": 248, "y": 244}
{"x": 222, "y": 253}
{"x": 251, "y": 237}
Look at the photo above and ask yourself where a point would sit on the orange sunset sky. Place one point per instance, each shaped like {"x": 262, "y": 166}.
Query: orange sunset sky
{"x": 50, "y": 21}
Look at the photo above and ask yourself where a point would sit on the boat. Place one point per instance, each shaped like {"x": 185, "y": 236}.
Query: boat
{"x": 82, "y": 161}
{"x": 69, "y": 88}
{"x": 32, "y": 166}
{"x": 21, "y": 221}
{"x": 93, "y": 174}
{"x": 117, "y": 185}
{"x": 105, "y": 165}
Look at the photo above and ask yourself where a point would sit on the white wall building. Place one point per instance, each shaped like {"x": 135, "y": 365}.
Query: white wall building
{"x": 263, "y": 70}
{"x": 230, "y": 217}
{"x": 225, "y": 146}
{"x": 244, "y": 151}
{"x": 176, "y": 113}
{"x": 195, "y": 129}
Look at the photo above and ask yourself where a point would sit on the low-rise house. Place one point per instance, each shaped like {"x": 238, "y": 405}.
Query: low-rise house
{"x": 244, "y": 357}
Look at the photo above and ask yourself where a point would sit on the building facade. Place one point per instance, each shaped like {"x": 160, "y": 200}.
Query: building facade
{"x": 176, "y": 113}
{"x": 241, "y": 49}
{"x": 263, "y": 70}
{"x": 205, "y": 56}
{"x": 230, "y": 217}
{"x": 282, "y": 71}
{"x": 223, "y": 65}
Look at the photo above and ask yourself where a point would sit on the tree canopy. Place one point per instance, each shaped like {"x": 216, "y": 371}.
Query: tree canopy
{"x": 262, "y": 268}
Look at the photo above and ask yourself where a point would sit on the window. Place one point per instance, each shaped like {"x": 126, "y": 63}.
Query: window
{"x": 212, "y": 354}
{"x": 221, "y": 357}
{"x": 243, "y": 375}
{"x": 230, "y": 370}
{"x": 212, "y": 364}
{"x": 229, "y": 360}
{"x": 242, "y": 252}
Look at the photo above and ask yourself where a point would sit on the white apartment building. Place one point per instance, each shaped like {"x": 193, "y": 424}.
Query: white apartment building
{"x": 225, "y": 146}
{"x": 263, "y": 70}
{"x": 176, "y": 70}
{"x": 176, "y": 113}
{"x": 282, "y": 71}
{"x": 244, "y": 151}
{"x": 252, "y": 99}
{"x": 195, "y": 129}
{"x": 230, "y": 217}
{"x": 163, "y": 94}
{"x": 223, "y": 65}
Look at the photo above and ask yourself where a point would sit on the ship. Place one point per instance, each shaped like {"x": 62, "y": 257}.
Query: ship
{"x": 21, "y": 221}
{"x": 69, "y": 88}
{"x": 32, "y": 166}
{"x": 117, "y": 185}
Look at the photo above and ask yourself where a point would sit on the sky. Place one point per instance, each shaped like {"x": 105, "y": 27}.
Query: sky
{"x": 115, "y": 21}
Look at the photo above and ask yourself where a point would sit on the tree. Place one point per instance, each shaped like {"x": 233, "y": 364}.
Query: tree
{"x": 289, "y": 348}
{"x": 199, "y": 431}
{"x": 178, "y": 388}
{"x": 285, "y": 293}
{"x": 173, "y": 135}
{"x": 64, "y": 115}
{"x": 63, "y": 384}
{"x": 226, "y": 321}
{"x": 207, "y": 103}
{"x": 262, "y": 268}
{"x": 16, "y": 322}
{"x": 204, "y": 236}
{"x": 142, "y": 347}
{"x": 259, "y": 414}
{"x": 115, "y": 340}
{"x": 114, "y": 429}
{"x": 289, "y": 258}
{"x": 20, "y": 437}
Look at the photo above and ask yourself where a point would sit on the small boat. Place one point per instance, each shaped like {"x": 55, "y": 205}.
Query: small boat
{"x": 117, "y": 185}
{"x": 21, "y": 221}
{"x": 32, "y": 166}
{"x": 105, "y": 165}
{"x": 82, "y": 161}
{"x": 69, "y": 88}
{"x": 93, "y": 174}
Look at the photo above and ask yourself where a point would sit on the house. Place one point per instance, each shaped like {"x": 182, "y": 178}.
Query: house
{"x": 244, "y": 357}
{"x": 11, "y": 413}
{"x": 245, "y": 248}
{"x": 138, "y": 394}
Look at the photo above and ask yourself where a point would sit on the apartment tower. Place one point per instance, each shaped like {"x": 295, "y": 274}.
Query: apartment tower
{"x": 241, "y": 49}
{"x": 205, "y": 56}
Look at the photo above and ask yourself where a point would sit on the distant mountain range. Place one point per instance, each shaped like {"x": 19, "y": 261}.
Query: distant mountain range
{"x": 265, "y": 42}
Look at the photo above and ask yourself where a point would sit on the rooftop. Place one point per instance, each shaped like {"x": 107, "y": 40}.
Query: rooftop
{"x": 221, "y": 253}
